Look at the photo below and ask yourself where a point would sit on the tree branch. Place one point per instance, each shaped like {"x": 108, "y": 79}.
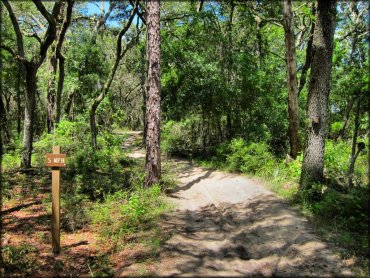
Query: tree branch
{"x": 106, "y": 16}
{"x": 142, "y": 14}
{"x": 48, "y": 16}
{"x": 124, "y": 30}
{"x": 33, "y": 35}
{"x": 17, "y": 30}
{"x": 52, "y": 29}
{"x": 66, "y": 23}
{"x": 13, "y": 53}
{"x": 41, "y": 26}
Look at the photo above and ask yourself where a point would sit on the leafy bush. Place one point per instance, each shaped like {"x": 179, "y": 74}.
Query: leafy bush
{"x": 337, "y": 160}
{"x": 180, "y": 138}
{"x": 90, "y": 173}
{"x": 254, "y": 158}
{"x": 19, "y": 259}
{"x": 74, "y": 211}
{"x": 124, "y": 213}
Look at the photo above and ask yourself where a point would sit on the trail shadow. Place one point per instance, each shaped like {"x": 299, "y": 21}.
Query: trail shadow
{"x": 28, "y": 224}
{"x": 189, "y": 184}
{"x": 83, "y": 242}
{"x": 19, "y": 207}
{"x": 260, "y": 238}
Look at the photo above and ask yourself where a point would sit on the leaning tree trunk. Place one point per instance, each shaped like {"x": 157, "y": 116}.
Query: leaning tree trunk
{"x": 346, "y": 116}
{"x": 153, "y": 98}
{"x": 307, "y": 63}
{"x": 354, "y": 143}
{"x": 29, "y": 114}
{"x": 290, "y": 55}
{"x": 318, "y": 93}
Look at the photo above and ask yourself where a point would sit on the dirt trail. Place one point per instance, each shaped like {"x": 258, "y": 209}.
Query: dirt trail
{"x": 229, "y": 225}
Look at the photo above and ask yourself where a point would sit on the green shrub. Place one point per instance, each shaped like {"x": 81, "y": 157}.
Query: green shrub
{"x": 236, "y": 154}
{"x": 90, "y": 173}
{"x": 337, "y": 161}
{"x": 178, "y": 137}
{"x": 19, "y": 260}
{"x": 124, "y": 213}
{"x": 336, "y": 127}
{"x": 254, "y": 158}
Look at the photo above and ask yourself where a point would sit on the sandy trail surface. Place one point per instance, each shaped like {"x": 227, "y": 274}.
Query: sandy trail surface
{"x": 229, "y": 225}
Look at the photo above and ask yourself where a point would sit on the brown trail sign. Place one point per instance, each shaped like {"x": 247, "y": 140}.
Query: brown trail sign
{"x": 55, "y": 160}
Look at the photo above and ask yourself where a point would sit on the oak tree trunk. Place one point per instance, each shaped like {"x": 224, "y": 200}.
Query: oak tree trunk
{"x": 291, "y": 63}
{"x": 52, "y": 67}
{"x": 153, "y": 98}
{"x": 18, "y": 100}
{"x": 60, "y": 86}
{"x": 318, "y": 93}
{"x": 29, "y": 114}
{"x": 4, "y": 128}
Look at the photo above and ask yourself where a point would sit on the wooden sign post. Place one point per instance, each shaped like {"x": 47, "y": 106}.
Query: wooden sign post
{"x": 55, "y": 160}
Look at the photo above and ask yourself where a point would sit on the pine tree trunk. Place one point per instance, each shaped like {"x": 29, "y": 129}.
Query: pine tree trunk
{"x": 143, "y": 70}
{"x": 291, "y": 79}
{"x": 153, "y": 154}
{"x": 318, "y": 93}
{"x": 29, "y": 114}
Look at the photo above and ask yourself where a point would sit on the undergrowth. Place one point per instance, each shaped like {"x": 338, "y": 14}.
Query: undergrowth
{"x": 102, "y": 190}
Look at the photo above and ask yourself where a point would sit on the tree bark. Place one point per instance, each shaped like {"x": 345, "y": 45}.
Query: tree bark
{"x": 60, "y": 56}
{"x": 52, "y": 67}
{"x": 29, "y": 114}
{"x": 354, "y": 143}
{"x": 4, "y": 128}
{"x": 18, "y": 100}
{"x": 346, "y": 115}
{"x": 318, "y": 93}
{"x": 291, "y": 63}
{"x": 57, "y": 60}
{"x": 153, "y": 98}
{"x": 143, "y": 69}
{"x": 307, "y": 63}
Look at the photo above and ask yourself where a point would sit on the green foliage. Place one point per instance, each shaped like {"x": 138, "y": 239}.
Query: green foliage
{"x": 123, "y": 213}
{"x": 253, "y": 158}
{"x": 74, "y": 211}
{"x": 92, "y": 173}
{"x": 18, "y": 259}
{"x": 179, "y": 138}
{"x": 336, "y": 127}
{"x": 337, "y": 160}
